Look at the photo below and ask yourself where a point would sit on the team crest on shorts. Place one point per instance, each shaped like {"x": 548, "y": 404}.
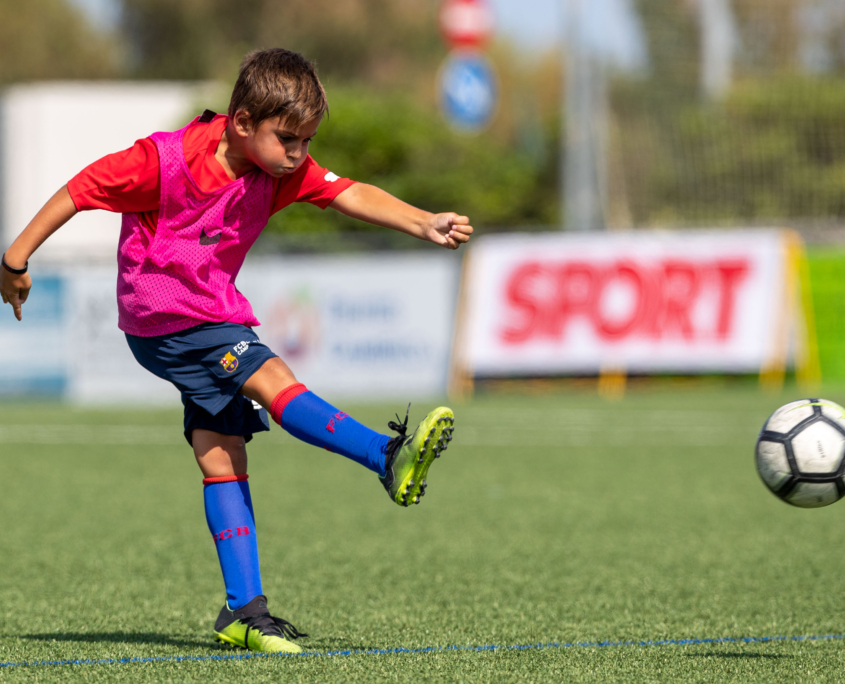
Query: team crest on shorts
{"x": 229, "y": 362}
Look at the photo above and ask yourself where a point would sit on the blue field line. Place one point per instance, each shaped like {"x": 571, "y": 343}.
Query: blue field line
{"x": 431, "y": 649}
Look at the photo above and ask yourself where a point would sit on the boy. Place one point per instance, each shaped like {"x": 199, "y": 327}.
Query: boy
{"x": 193, "y": 203}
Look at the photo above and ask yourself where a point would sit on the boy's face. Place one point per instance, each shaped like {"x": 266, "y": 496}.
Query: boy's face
{"x": 276, "y": 147}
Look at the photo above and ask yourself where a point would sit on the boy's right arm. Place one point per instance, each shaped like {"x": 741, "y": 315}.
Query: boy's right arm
{"x": 52, "y": 216}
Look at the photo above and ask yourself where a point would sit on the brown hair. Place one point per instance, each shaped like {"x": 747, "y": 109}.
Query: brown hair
{"x": 277, "y": 82}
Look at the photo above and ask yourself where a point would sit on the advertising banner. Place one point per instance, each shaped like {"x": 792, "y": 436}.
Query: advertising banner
{"x": 642, "y": 302}
{"x": 364, "y": 326}
{"x": 368, "y": 327}
{"x": 34, "y": 354}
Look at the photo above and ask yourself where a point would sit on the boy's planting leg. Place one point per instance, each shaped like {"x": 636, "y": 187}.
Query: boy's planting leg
{"x": 401, "y": 462}
{"x": 244, "y": 621}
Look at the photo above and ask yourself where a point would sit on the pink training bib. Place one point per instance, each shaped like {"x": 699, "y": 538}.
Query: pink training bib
{"x": 184, "y": 275}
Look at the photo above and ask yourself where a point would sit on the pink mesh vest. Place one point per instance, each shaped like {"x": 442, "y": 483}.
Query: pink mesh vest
{"x": 184, "y": 275}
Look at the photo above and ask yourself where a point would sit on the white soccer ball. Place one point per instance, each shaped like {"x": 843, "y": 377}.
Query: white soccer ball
{"x": 800, "y": 453}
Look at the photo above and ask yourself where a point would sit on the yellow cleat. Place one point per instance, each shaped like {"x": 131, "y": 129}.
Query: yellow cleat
{"x": 409, "y": 458}
{"x": 252, "y": 627}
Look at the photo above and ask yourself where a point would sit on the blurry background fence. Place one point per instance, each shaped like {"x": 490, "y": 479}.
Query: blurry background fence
{"x": 739, "y": 127}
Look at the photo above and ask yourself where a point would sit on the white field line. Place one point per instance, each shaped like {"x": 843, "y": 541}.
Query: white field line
{"x": 528, "y": 428}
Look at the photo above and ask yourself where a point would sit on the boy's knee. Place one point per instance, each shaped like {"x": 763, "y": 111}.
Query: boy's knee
{"x": 265, "y": 384}
{"x": 219, "y": 455}
{"x": 205, "y": 440}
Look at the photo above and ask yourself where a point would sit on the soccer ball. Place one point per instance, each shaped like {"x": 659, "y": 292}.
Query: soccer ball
{"x": 800, "y": 453}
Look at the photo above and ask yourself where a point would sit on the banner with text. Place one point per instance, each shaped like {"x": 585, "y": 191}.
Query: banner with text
{"x": 374, "y": 326}
{"x": 640, "y": 302}
{"x": 367, "y": 327}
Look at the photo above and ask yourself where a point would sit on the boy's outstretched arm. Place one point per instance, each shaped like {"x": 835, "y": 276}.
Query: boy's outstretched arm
{"x": 374, "y": 205}
{"x": 52, "y": 216}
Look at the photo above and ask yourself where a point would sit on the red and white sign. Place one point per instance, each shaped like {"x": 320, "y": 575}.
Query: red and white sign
{"x": 466, "y": 23}
{"x": 640, "y": 301}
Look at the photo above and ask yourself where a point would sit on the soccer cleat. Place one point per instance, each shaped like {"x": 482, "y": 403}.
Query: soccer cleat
{"x": 252, "y": 627}
{"x": 409, "y": 458}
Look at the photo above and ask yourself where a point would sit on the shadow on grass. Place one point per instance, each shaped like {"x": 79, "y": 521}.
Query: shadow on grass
{"x": 317, "y": 644}
{"x": 773, "y": 656}
{"x": 121, "y": 638}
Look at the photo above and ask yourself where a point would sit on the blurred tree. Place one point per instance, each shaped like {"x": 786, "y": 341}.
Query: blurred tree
{"x": 379, "y": 60}
{"x": 368, "y": 40}
{"x": 770, "y": 34}
{"x": 673, "y": 42}
{"x": 47, "y": 39}
{"x": 392, "y": 141}
{"x": 775, "y": 151}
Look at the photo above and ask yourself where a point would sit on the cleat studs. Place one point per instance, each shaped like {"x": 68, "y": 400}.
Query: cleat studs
{"x": 417, "y": 500}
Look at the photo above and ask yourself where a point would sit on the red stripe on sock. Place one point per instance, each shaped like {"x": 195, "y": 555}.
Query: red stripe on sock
{"x": 225, "y": 478}
{"x": 283, "y": 398}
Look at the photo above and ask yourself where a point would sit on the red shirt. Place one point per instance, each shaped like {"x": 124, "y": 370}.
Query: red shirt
{"x": 129, "y": 182}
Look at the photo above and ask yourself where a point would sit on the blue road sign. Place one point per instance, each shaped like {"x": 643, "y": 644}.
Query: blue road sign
{"x": 468, "y": 91}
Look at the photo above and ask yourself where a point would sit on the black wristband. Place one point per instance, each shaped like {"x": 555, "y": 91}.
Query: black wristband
{"x": 16, "y": 271}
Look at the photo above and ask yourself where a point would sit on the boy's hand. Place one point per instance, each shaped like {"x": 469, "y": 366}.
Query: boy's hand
{"x": 14, "y": 289}
{"x": 449, "y": 230}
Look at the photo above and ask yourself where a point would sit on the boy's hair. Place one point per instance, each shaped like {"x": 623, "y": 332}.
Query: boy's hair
{"x": 277, "y": 82}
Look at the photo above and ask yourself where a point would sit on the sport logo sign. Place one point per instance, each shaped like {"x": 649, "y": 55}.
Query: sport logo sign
{"x": 544, "y": 298}
{"x": 644, "y": 301}
{"x": 206, "y": 239}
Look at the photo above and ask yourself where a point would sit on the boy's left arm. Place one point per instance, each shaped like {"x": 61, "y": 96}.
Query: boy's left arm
{"x": 374, "y": 205}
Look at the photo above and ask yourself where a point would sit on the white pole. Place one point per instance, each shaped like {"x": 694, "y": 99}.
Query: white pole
{"x": 583, "y": 138}
{"x": 718, "y": 41}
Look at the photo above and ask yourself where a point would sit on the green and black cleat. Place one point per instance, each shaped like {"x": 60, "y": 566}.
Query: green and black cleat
{"x": 409, "y": 458}
{"x": 252, "y": 627}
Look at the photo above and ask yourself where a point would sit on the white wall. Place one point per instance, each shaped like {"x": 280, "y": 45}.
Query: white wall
{"x": 51, "y": 131}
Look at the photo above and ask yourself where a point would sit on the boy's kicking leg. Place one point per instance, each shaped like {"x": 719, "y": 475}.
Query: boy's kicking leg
{"x": 244, "y": 621}
{"x": 401, "y": 462}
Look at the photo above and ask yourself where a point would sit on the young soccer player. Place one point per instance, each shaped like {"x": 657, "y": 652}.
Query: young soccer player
{"x": 193, "y": 203}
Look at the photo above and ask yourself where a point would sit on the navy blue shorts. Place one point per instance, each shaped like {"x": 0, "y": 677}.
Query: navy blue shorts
{"x": 209, "y": 364}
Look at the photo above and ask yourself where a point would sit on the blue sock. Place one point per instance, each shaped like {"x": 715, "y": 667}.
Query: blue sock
{"x": 307, "y": 417}
{"x": 228, "y": 511}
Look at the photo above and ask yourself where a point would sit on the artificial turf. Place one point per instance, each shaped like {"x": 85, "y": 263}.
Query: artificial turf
{"x": 553, "y": 521}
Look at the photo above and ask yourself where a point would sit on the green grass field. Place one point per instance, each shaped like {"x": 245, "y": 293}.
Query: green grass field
{"x": 558, "y": 519}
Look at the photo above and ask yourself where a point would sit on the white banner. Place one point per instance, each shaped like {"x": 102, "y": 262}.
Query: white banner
{"x": 353, "y": 327}
{"x": 639, "y": 302}
{"x": 363, "y": 326}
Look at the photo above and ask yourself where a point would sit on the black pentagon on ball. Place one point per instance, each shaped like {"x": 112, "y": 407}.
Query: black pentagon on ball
{"x": 796, "y": 476}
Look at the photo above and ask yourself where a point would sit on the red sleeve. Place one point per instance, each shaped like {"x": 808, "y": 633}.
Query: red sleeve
{"x": 125, "y": 182}
{"x": 310, "y": 183}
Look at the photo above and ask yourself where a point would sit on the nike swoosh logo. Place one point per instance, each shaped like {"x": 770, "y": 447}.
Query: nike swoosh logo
{"x": 206, "y": 239}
